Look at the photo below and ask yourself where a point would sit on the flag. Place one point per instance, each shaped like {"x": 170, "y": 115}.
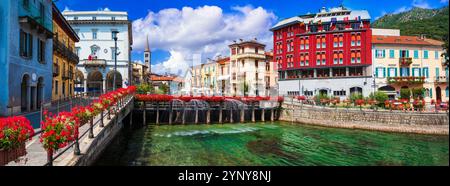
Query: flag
{"x": 333, "y": 20}
{"x": 345, "y": 19}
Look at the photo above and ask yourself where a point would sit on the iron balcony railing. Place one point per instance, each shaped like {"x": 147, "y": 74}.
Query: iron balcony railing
{"x": 61, "y": 49}
{"x": 441, "y": 79}
{"x": 55, "y": 70}
{"x": 405, "y": 61}
{"x": 406, "y": 80}
{"x": 42, "y": 15}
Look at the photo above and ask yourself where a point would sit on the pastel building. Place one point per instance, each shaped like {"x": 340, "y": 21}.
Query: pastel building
{"x": 409, "y": 62}
{"x": 26, "y": 48}
{"x": 96, "y": 49}
{"x": 250, "y": 69}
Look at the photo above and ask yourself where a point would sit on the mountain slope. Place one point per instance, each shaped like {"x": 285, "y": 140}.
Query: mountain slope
{"x": 432, "y": 22}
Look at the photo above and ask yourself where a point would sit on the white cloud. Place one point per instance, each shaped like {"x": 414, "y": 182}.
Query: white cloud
{"x": 421, "y": 4}
{"x": 444, "y": 1}
{"x": 206, "y": 31}
{"x": 402, "y": 9}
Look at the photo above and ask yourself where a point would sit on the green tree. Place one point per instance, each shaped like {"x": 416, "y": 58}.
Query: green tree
{"x": 164, "y": 88}
{"x": 355, "y": 96}
{"x": 380, "y": 97}
{"x": 445, "y": 53}
{"x": 144, "y": 88}
{"x": 405, "y": 93}
{"x": 418, "y": 92}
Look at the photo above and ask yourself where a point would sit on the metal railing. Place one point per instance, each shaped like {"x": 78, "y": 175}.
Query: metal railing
{"x": 33, "y": 11}
{"x": 90, "y": 132}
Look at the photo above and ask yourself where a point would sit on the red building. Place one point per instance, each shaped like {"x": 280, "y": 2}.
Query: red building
{"x": 326, "y": 45}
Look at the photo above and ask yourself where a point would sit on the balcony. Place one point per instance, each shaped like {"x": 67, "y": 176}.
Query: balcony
{"x": 405, "y": 61}
{"x": 251, "y": 55}
{"x": 55, "y": 70}
{"x": 94, "y": 63}
{"x": 37, "y": 19}
{"x": 441, "y": 79}
{"x": 65, "y": 76}
{"x": 60, "y": 49}
{"x": 408, "y": 80}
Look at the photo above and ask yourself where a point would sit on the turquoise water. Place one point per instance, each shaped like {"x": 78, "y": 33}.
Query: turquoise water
{"x": 272, "y": 144}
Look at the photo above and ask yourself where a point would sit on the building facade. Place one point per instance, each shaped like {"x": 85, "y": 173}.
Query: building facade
{"x": 324, "y": 53}
{"x": 25, "y": 55}
{"x": 139, "y": 73}
{"x": 65, "y": 59}
{"x": 97, "y": 50}
{"x": 250, "y": 69}
{"x": 409, "y": 62}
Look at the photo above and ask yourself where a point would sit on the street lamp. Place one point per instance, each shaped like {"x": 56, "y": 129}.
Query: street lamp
{"x": 115, "y": 32}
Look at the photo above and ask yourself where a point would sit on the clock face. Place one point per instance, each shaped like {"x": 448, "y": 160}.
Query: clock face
{"x": 106, "y": 51}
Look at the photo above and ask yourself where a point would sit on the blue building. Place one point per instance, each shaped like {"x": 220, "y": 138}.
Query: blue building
{"x": 25, "y": 55}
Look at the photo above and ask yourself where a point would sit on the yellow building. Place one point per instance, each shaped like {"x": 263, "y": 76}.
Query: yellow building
{"x": 65, "y": 58}
{"x": 140, "y": 72}
{"x": 410, "y": 62}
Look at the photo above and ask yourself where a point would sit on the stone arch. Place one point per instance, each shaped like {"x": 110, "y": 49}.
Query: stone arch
{"x": 95, "y": 82}
{"x": 356, "y": 90}
{"x": 110, "y": 80}
{"x": 24, "y": 93}
{"x": 387, "y": 88}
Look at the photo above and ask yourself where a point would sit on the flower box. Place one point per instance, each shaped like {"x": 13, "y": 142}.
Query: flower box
{"x": 8, "y": 155}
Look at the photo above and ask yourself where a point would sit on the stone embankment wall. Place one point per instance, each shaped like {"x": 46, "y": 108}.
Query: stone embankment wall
{"x": 392, "y": 121}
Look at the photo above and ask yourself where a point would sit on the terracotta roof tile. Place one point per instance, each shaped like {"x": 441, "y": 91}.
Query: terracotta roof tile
{"x": 406, "y": 40}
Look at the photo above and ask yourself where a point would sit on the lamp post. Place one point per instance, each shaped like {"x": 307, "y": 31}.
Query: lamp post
{"x": 115, "y": 32}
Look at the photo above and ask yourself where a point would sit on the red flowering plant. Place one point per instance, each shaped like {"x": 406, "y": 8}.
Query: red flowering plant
{"x": 84, "y": 114}
{"x": 419, "y": 104}
{"x": 359, "y": 102}
{"x": 335, "y": 101}
{"x": 280, "y": 99}
{"x": 301, "y": 98}
{"x": 58, "y": 131}
{"x": 14, "y": 132}
{"x": 98, "y": 107}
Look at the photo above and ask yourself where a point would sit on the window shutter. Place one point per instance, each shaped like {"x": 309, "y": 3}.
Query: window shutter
{"x": 413, "y": 72}
{"x": 431, "y": 92}
{"x": 407, "y": 53}
{"x": 384, "y": 53}
{"x": 376, "y": 72}
{"x": 384, "y": 72}
{"x": 389, "y": 72}
{"x": 395, "y": 72}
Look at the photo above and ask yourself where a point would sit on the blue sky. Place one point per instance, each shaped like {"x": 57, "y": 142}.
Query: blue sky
{"x": 170, "y": 53}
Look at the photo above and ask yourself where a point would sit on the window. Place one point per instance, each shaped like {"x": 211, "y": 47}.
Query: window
{"x": 358, "y": 39}
{"x": 353, "y": 57}
{"x": 75, "y": 18}
{"x": 41, "y": 51}
{"x": 436, "y": 54}
{"x": 355, "y": 26}
{"x": 404, "y": 71}
{"x": 416, "y": 72}
{"x": 425, "y": 54}
{"x": 404, "y": 53}
{"x": 323, "y": 59}
{"x": 324, "y": 42}
{"x": 341, "y": 41}
{"x": 335, "y": 58}
{"x": 391, "y": 54}
{"x": 56, "y": 87}
{"x": 379, "y": 53}
{"x": 113, "y": 18}
{"x": 318, "y": 59}
{"x": 64, "y": 88}
{"x": 426, "y": 72}
{"x": 26, "y": 44}
{"x": 308, "y": 93}
{"x": 341, "y": 58}
{"x": 335, "y": 41}
{"x": 353, "y": 43}
{"x": 380, "y": 72}
{"x": 416, "y": 54}
{"x": 26, "y": 4}
{"x": 94, "y": 18}
{"x": 339, "y": 93}
{"x": 318, "y": 45}
{"x": 94, "y": 33}
{"x": 392, "y": 72}
{"x": 77, "y": 51}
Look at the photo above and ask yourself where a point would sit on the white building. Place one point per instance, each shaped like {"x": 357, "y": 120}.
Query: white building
{"x": 96, "y": 48}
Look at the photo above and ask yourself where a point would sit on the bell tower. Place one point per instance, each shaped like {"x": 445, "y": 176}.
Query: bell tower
{"x": 148, "y": 57}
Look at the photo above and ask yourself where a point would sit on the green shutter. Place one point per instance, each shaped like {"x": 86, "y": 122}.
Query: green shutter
{"x": 413, "y": 71}
{"x": 431, "y": 92}
{"x": 407, "y": 53}
{"x": 416, "y": 54}
{"x": 376, "y": 72}
{"x": 388, "y": 72}
{"x": 384, "y": 72}
{"x": 384, "y": 53}
{"x": 396, "y": 72}
{"x": 437, "y": 72}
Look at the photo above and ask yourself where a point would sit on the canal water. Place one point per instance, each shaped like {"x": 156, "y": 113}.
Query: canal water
{"x": 270, "y": 144}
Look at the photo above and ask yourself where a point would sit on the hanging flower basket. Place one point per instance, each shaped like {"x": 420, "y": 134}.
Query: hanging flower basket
{"x": 14, "y": 132}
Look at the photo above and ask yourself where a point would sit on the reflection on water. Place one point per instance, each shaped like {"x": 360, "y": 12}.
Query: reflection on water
{"x": 271, "y": 144}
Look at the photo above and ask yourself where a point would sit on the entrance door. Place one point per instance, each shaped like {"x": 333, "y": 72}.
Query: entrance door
{"x": 438, "y": 94}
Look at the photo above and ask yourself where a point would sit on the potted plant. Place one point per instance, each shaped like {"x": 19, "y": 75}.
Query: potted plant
{"x": 14, "y": 132}
{"x": 58, "y": 131}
